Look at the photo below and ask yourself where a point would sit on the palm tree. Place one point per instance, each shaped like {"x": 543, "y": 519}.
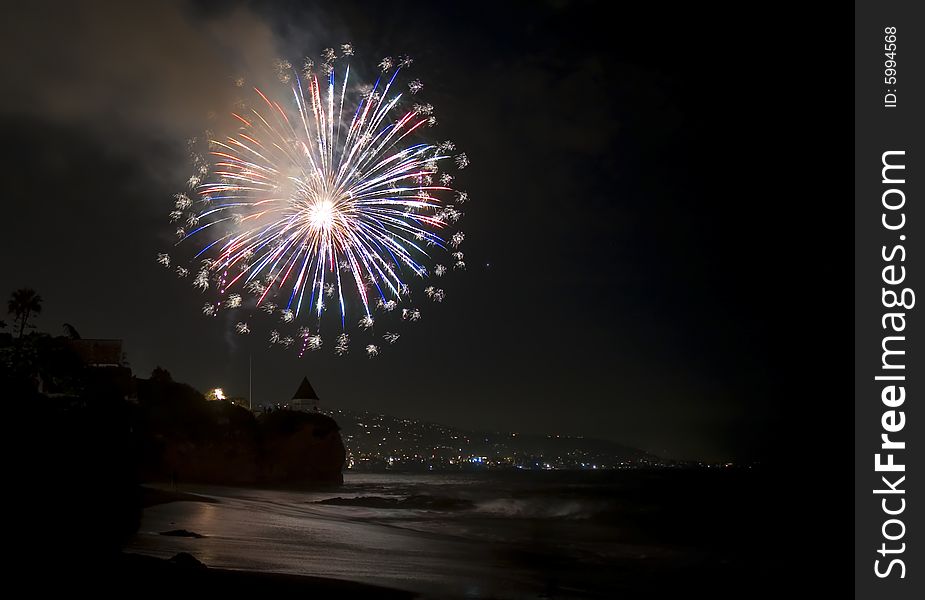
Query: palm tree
{"x": 24, "y": 303}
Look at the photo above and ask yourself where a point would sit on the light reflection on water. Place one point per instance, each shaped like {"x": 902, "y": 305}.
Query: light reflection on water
{"x": 506, "y": 546}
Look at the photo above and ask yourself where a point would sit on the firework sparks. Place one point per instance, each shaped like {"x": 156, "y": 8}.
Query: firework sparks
{"x": 201, "y": 280}
{"x": 343, "y": 345}
{"x": 411, "y": 314}
{"x": 388, "y": 305}
{"x": 327, "y": 194}
{"x": 314, "y": 342}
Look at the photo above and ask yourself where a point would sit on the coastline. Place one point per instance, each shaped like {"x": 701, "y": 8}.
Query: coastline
{"x": 153, "y": 494}
{"x": 184, "y": 573}
{"x": 165, "y": 576}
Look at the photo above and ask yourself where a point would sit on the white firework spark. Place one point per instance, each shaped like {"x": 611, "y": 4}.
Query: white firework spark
{"x": 388, "y": 305}
{"x": 202, "y": 280}
{"x": 182, "y": 201}
{"x": 256, "y": 288}
{"x": 411, "y": 314}
{"x": 284, "y": 70}
{"x": 343, "y": 345}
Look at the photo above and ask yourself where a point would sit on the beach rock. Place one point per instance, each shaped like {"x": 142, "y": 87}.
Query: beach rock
{"x": 186, "y": 560}
{"x": 182, "y": 533}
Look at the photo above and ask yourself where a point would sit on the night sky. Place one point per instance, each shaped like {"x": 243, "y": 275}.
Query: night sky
{"x": 639, "y": 252}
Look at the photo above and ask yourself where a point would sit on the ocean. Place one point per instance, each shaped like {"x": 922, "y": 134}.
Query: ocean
{"x": 488, "y": 535}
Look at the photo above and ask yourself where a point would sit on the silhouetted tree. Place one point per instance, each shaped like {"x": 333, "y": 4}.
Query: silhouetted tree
{"x": 70, "y": 332}
{"x": 161, "y": 375}
{"x": 24, "y": 303}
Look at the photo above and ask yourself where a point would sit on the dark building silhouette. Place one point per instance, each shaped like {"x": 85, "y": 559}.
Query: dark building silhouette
{"x": 305, "y": 398}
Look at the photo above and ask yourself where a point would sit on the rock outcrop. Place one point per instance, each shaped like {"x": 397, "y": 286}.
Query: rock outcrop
{"x": 301, "y": 447}
{"x": 186, "y": 438}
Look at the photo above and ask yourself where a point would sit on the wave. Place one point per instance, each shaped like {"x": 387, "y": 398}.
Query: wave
{"x": 509, "y": 508}
{"x": 540, "y": 508}
{"x": 414, "y": 502}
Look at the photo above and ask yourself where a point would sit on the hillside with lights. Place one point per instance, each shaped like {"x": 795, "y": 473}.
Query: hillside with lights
{"x": 378, "y": 442}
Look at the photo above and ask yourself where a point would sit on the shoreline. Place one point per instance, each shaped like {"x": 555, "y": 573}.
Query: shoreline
{"x": 185, "y": 575}
{"x": 153, "y": 494}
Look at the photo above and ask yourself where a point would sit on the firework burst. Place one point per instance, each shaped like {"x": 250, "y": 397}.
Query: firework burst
{"x": 326, "y": 196}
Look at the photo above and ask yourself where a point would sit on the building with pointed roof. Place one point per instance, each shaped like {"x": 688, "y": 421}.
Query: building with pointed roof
{"x": 305, "y": 398}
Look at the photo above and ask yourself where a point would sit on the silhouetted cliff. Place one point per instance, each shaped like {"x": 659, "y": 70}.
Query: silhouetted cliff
{"x": 189, "y": 439}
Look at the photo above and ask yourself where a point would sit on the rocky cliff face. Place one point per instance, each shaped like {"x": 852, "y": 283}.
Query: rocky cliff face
{"x": 188, "y": 439}
{"x": 301, "y": 447}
